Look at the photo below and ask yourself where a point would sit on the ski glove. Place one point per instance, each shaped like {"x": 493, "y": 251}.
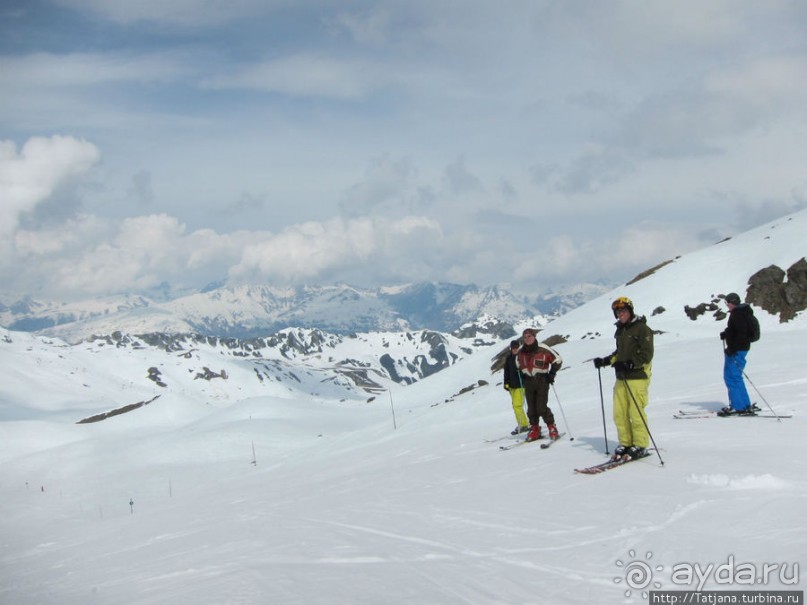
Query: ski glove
{"x": 550, "y": 378}
{"x": 723, "y": 335}
{"x": 601, "y": 362}
{"x": 623, "y": 366}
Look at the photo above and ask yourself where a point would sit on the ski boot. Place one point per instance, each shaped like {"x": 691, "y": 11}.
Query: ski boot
{"x": 634, "y": 452}
{"x": 620, "y": 452}
{"x": 535, "y": 433}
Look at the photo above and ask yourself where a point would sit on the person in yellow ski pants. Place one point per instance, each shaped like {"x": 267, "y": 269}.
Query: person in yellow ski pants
{"x": 632, "y": 362}
{"x": 512, "y": 384}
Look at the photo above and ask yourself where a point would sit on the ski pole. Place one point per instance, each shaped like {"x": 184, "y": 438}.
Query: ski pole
{"x": 566, "y": 422}
{"x": 644, "y": 421}
{"x": 602, "y": 405}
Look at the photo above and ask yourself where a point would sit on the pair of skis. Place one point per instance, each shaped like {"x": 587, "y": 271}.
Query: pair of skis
{"x": 591, "y": 470}
{"x": 694, "y": 415}
{"x": 521, "y": 442}
{"x": 610, "y": 464}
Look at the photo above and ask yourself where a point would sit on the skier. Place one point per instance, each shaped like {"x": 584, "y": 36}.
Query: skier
{"x": 632, "y": 362}
{"x": 737, "y": 339}
{"x": 512, "y": 384}
{"x": 538, "y": 364}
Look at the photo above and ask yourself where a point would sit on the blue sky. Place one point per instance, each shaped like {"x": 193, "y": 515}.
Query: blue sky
{"x": 527, "y": 144}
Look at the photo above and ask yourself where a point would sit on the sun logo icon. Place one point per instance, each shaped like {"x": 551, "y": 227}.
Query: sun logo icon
{"x": 638, "y": 574}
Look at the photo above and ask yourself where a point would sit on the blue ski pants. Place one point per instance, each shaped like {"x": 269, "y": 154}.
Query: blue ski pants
{"x": 733, "y": 366}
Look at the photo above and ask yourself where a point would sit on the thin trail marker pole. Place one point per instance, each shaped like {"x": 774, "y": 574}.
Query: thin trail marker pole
{"x": 392, "y": 406}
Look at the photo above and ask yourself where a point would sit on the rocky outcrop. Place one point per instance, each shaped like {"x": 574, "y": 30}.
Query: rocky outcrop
{"x": 694, "y": 312}
{"x": 208, "y": 374}
{"x": 116, "y": 411}
{"x": 650, "y": 271}
{"x": 779, "y": 292}
{"x": 155, "y": 376}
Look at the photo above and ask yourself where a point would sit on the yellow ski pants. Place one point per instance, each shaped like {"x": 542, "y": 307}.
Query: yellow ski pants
{"x": 630, "y": 421}
{"x": 517, "y": 397}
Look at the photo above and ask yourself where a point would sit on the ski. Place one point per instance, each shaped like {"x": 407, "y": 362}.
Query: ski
{"x": 501, "y": 438}
{"x": 699, "y": 415}
{"x": 551, "y": 441}
{"x": 608, "y": 465}
{"x": 518, "y": 443}
{"x": 754, "y": 407}
{"x": 510, "y": 436}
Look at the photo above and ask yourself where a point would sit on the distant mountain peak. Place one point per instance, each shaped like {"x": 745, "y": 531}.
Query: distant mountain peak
{"x": 255, "y": 310}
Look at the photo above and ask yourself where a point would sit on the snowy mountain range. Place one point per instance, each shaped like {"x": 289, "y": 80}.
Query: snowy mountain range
{"x": 206, "y": 470}
{"x": 257, "y": 311}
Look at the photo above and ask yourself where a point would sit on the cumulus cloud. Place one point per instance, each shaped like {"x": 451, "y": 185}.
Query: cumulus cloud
{"x": 317, "y": 250}
{"x": 88, "y": 256}
{"x": 30, "y": 175}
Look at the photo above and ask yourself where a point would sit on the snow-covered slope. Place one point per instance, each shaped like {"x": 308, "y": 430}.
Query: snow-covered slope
{"x": 401, "y": 499}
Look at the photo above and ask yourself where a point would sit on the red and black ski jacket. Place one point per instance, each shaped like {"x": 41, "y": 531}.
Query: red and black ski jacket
{"x": 537, "y": 360}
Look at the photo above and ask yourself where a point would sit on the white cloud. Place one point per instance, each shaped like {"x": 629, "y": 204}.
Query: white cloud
{"x": 319, "y": 250}
{"x": 88, "y": 256}
{"x": 63, "y": 242}
{"x": 31, "y": 175}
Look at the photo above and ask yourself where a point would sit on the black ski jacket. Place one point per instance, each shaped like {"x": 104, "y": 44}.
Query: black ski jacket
{"x": 511, "y": 377}
{"x": 738, "y": 331}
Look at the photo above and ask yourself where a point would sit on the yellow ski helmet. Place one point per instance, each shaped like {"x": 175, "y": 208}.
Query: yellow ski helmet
{"x": 623, "y": 302}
